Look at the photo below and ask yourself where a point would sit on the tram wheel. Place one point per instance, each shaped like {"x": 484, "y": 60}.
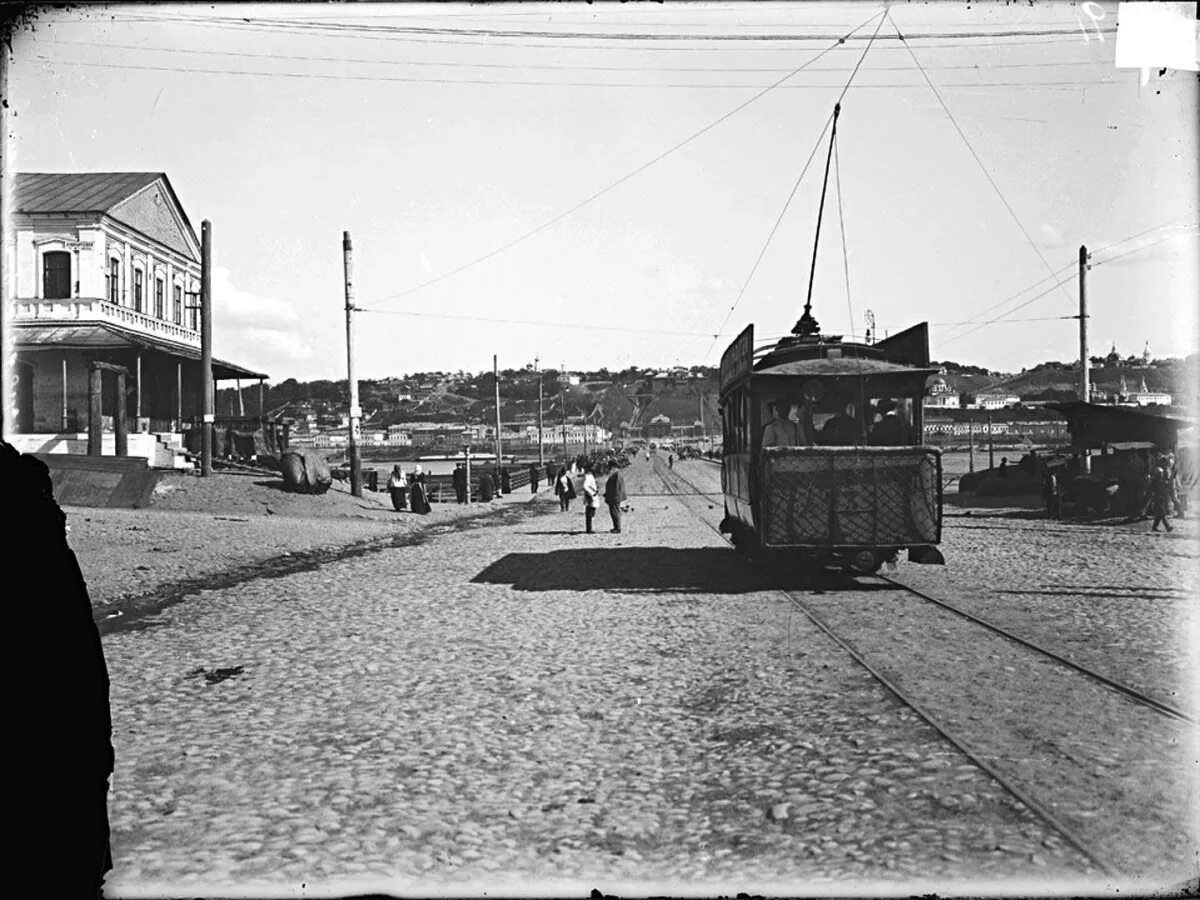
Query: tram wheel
{"x": 864, "y": 562}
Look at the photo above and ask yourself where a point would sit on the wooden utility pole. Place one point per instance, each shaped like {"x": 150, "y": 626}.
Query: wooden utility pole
{"x": 496, "y": 379}
{"x": 970, "y": 445}
{"x": 206, "y": 379}
{"x": 1085, "y": 384}
{"x": 355, "y": 410}
{"x": 991, "y": 443}
{"x": 541, "y": 445}
{"x": 562, "y": 402}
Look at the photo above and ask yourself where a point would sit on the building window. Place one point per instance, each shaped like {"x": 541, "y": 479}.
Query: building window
{"x": 114, "y": 281}
{"x": 138, "y": 279}
{"x": 159, "y": 312}
{"x": 56, "y": 275}
{"x": 178, "y": 306}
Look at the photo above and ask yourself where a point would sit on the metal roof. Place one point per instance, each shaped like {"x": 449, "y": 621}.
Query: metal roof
{"x": 851, "y": 366}
{"x": 103, "y": 336}
{"x": 78, "y": 192}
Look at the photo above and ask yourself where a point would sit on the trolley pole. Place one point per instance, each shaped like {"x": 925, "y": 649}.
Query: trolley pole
{"x": 206, "y": 381}
{"x": 541, "y": 444}
{"x": 355, "y": 410}
{"x": 499, "y": 448}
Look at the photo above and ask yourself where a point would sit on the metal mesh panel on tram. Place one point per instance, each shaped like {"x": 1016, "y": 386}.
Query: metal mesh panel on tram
{"x": 869, "y": 496}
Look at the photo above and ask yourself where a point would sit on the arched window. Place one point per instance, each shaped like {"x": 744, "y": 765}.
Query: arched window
{"x": 56, "y": 275}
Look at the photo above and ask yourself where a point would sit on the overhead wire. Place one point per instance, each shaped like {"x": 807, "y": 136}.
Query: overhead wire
{"x": 975, "y": 155}
{"x": 795, "y": 186}
{"x": 837, "y": 175}
{"x": 493, "y": 82}
{"x": 611, "y": 186}
{"x": 1004, "y": 316}
{"x": 747, "y": 70}
{"x": 1167, "y": 224}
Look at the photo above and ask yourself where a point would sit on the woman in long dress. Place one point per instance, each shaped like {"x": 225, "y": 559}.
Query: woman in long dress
{"x": 398, "y": 488}
{"x": 419, "y": 502}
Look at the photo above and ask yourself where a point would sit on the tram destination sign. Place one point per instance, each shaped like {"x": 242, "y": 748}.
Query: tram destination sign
{"x": 738, "y": 359}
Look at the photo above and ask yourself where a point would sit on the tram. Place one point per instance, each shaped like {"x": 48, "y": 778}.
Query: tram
{"x": 852, "y": 490}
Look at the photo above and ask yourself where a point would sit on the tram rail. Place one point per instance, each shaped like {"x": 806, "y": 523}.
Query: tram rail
{"x": 686, "y": 489}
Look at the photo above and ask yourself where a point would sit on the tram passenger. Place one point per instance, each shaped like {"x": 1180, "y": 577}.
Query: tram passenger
{"x": 842, "y": 429}
{"x": 891, "y": 430}
{"x": 780, "y": 431}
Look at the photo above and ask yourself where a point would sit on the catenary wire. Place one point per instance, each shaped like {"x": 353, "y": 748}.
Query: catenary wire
{"x": 492, "y": 82}
{"x": 546, "y": 224}
{"x": 774, "y": 228}
{"x": 837, "y": 175}
{"x": 550, "y": 67}
{"x": 975, "y": 155}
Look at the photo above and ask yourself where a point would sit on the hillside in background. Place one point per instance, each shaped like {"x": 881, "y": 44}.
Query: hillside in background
{"x": 636, "y": 396}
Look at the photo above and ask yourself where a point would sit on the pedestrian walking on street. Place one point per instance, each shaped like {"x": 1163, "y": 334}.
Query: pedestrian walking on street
{"x": 614, "y": 496}
{"x": 1160, "y": 499}
{"x": 419, "y": 500}
{"x": 398, "y": 488}
{"x": 565, "y": 489}
{"x": 591, "y": 497}
{"x": 460, "y": 482}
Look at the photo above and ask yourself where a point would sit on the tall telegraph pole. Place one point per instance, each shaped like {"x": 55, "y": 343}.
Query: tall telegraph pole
{"x": 496, "y": 379}
{"x": 355, "y": 410}
{"x": 541, "y": 444}
{"x": 206, "y": 380}
{"x": 1085, "y": 382}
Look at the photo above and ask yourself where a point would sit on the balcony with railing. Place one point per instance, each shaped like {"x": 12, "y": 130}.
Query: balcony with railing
{"x": 97, "y": 311}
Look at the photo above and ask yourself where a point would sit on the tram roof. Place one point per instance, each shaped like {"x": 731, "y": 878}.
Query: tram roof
{"x": 845, "y": 367}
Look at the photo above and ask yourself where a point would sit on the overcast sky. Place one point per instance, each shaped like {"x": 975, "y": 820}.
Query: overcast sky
{"x": 472, "y": 138}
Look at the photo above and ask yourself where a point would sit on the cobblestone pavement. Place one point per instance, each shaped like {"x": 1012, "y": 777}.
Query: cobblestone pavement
{"x": 514, "y": 706}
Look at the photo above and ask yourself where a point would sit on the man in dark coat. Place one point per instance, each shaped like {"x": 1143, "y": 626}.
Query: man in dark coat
{"x": 614, "y": 496}
{"x": 891, "y": 430}
{"x": 841, "y": 429}
{"x": 59, "y": 726}
{"x": 460, "y": 482}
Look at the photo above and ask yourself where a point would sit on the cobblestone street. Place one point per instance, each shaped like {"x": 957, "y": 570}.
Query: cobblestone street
{"x": 512, "y": 705}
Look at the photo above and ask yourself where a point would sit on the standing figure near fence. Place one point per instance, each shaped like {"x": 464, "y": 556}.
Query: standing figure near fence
{"x": 614, "y": 496}
{"x": 398, "y": 487}
{"x": 419, "y": 500}
{"x": 591, "y": 497}
{"x": 564, "y": 488}
{"x": 460, "y": 482}
{"x": 1160, "y": 499}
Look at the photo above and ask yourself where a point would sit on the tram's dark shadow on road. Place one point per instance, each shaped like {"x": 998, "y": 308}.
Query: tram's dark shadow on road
{"x": 669, "y": 570}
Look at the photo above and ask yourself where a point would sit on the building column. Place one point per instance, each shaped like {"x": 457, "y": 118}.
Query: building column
{"x": 120, "y": 425}
{"x": 95, "y": 411}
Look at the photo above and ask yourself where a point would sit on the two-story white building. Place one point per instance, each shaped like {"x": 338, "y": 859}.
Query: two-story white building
{"x": 106, "y": 270}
